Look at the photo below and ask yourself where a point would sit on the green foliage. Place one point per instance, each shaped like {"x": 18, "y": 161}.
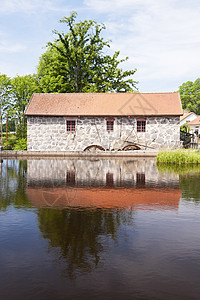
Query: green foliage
{"x": 15, "y": 94}
{"x": 9, "y": 143}
{"x": 10, "y": 126}
{"x": 183, "y": 128}
{"x": 5, "y": 96}
{"x": 190, "y": 95}
{"x": 22, "y": 89}
{"x": 21, "y": 144}
{"x": 179, "y": 157}
{"x": 75, "y": 62}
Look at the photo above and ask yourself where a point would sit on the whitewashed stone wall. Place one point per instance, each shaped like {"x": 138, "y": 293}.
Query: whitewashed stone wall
{"x": 49, "y": 133}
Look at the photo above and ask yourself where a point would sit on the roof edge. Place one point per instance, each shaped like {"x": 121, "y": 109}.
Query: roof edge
{"x": 29, "y": 104}
{"x": 103, "y": 116}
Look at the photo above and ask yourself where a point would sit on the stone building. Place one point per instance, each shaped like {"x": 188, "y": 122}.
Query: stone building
{"x": 103, "y": 121}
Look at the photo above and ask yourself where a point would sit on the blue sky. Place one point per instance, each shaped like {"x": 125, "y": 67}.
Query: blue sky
{"x": 160, "y": 37}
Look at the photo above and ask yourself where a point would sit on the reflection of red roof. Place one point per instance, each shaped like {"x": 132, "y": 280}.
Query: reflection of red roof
{"x": 104, "y": 104}
{"x": 105, "y": 198}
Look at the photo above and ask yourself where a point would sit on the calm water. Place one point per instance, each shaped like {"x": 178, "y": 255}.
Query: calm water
{"x": 99, "y": 229}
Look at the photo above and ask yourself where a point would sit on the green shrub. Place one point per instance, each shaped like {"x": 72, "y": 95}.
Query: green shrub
{"x": 21, "y": 144}
{"x": 9, "y": 143}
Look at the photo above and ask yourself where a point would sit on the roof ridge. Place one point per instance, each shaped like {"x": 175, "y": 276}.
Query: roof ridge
{"x": 119, "y": 93}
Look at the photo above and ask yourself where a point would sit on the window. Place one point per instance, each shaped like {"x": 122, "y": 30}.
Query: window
{"x": 109, "y": 179}
{"x": 70, "y": 177}
{"x": 71, "y": 125}
{"x": 110, "y": 125}
{"x": 140, "y": 179}
{"x": 141, "y": 125}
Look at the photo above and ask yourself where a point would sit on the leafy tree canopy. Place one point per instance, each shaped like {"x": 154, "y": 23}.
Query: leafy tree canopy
{"x": 22, "y": 89}
{"x": 5, "y": 94}
{"x": 190, "y": 95}
{"x": 76, "y": 62}
{"x": 15, "y": 94}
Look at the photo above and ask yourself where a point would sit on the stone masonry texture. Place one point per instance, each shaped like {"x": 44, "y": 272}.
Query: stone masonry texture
{"x": 50, "y": 133}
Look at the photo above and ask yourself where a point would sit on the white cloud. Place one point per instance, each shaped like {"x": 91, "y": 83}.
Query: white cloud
{"x": 161, "y": 37}
{"x": 11, "y": 48}
{"x": 30, "y": 6}
{"x": 6, "y": 47}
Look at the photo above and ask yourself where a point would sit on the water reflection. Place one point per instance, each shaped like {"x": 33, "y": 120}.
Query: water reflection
{"x": 189, "y": 178}
{"x": 117, "y": 229}
{"x": 91, "y": 197}
{"x": 80, "y": 236}
{"x": 13, "y": 182}
{"x": 101, "y": 184}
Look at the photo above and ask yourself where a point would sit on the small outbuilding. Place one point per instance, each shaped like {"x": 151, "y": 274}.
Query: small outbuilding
{"x": 103, "y": 121}
{"x": 187, "y": 117}
{"x": 194, "y": 126}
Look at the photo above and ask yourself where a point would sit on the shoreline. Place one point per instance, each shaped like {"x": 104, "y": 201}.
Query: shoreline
{"x": 109, "y": 154}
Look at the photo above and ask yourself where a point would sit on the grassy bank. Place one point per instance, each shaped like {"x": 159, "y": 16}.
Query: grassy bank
{"x": 179, "y": 157}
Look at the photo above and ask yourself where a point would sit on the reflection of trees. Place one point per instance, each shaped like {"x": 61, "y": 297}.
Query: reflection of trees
{"x": 189, "y": 178}
{"x": 178, "y": 168}
{"x": 80, "y": 235}
{"x": 190, "y": 186}
{"x": 13, "y": 184}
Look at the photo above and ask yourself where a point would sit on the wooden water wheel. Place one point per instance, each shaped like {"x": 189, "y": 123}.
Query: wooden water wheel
{"x": 94, "y": 148}
{"x": 131, "y": 147}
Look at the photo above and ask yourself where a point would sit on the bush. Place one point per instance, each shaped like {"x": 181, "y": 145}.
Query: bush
{"x": 21, "y": 144}
{"x": 9, "y": 143}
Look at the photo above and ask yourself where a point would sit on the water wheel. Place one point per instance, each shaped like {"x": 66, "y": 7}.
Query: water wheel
{"x": 94, "y": 148}
{"x": 131, "y": 147}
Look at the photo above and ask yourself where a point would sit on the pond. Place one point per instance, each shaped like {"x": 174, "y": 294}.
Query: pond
{"x": 99, "y": 228}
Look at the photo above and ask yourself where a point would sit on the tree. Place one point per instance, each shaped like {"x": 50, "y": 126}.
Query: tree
{"x": 5, "y": 100}
{"x": 22, "y": 89}
{"x": 75, "y": 62}
{"x": 190, "y": 95}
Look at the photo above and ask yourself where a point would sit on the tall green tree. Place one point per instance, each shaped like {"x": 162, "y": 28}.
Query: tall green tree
{"x": 76, "y": 61}
{"x": 5, "y": 98}
{"x": 190, "y": 95}
{"x": 22, "y": 89}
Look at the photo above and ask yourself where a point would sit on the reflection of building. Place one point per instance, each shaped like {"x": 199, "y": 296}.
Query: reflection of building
{"x": 98, "y": 172}
{"x": 116, "y": 198}
{"x": 101, "y": 183}
{"x": 106, "y": 121}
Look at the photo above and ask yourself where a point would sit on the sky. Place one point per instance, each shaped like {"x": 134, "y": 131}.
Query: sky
{"x": 160, "y": 37}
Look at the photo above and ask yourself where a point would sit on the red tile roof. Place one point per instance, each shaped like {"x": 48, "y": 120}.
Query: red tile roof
{"x": 105, "y": 104}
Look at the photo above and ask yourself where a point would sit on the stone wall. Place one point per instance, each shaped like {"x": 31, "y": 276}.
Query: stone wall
{"x": 49, "y": 133}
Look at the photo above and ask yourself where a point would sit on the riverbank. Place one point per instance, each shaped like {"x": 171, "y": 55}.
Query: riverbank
{"x": 24, "y": 154}
{"x": 179, "y": 157}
